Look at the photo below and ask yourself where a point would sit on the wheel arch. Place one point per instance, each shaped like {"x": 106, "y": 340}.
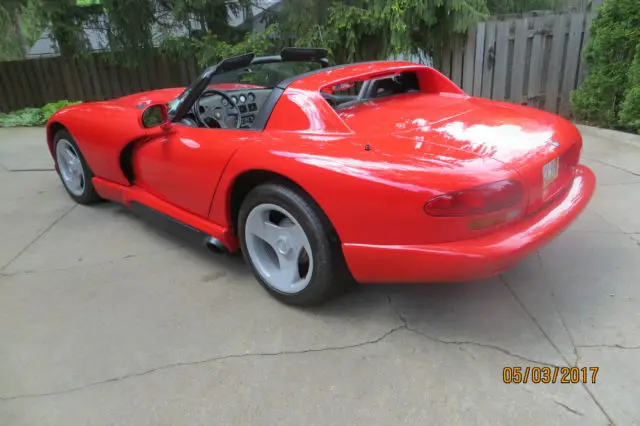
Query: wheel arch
{"x": 52, "y": 129}
{"x": 250, "y": 179}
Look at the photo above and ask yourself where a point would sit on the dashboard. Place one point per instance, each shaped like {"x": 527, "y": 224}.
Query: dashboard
{"x": 245, "y": 105}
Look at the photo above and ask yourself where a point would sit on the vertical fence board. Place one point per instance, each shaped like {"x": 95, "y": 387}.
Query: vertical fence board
{"x": 154, "y": 74}
{"x": 8, "y": 98}
{"x": 184, "y": 72}
{"x": 519, "y": 60}
{"x": 571, "y": 63}
{"x": 125, "y": 81}
{"x": 479, "y": 60}
{"x": 489, "y": 59}
{"x": 537, "y": 61}
{"x": 43, "y": 80}
{"x": 105, "y": 81}
{"x": 456, "y": 64}
{"x": 114, "y": 81}
{"x": 445, "y": 60}
{"x": 44, "y": 66}
{"x": 94, "y": 76}
{"x": 55, "y": 78}
{"x": 555, "y": 64}
{"x": 147, "y": 69}
{"x": 69, "y": 83}
{"x": 469, "y": 61}
{"x": 502, "y": 56}
{"x": 39, "y": 82}
{"x": 23, "y": 84}
{"x": 176, "y": 72}
{"x": 76, "y": 75}
{"x": 134, "y": 79}
{"x": 30, "y": 84}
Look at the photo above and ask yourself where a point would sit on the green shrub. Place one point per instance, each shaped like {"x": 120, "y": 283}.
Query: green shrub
{"x": 630, "y": 109}
{"x": 615, "y": 35}
{"x": 28, "y": 117}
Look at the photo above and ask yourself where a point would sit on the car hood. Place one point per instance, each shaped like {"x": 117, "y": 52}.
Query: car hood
{"x": 510, "y": 134}
{"x": 150, "y": 97}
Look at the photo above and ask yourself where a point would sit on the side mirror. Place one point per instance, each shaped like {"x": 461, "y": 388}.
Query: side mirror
{"x": 154, "y": 116}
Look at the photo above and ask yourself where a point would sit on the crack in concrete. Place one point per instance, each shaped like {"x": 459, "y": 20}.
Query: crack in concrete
{"x": 29, "y": 170}
{"x": 569, "y": 409}
{"x": 620, "y": 183}
{"x": 403, "y": 326}
{"x": 613, "y": 225}
{"x": 539, "y": 258}
{"x": 612, "y": 166}
{"x": 204, "y": 361}
{"x": 40, "y": 235}
{"x": 544, "y": 333}
{"x": 614, "y": 346}
{"x": 91, "y": 265}
{"x": 462, "y": 342}
{"x": 566, "y": 328}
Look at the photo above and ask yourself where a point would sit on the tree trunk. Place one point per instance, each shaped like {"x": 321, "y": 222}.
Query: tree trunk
{"x": 66, "y": 26}
{"x": 24, "y": 44}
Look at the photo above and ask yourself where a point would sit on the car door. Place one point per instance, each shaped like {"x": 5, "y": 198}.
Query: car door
{"x": 183, "y": 166}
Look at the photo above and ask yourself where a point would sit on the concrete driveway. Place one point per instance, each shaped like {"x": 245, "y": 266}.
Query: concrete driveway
{"x": 105, "y": 320}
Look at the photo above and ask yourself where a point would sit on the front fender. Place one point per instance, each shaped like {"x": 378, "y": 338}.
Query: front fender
{"x": 101, "y": 130}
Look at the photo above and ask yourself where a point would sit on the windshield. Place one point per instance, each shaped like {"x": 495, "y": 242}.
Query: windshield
{"x": 266, "y": 75}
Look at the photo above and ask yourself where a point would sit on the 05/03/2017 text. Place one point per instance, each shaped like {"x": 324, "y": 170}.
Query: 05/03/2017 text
{"x": 549, "y": 374}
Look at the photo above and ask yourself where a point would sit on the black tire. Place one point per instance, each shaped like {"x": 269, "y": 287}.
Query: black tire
{"x": 329, "y": 273}
{"x": 89, "y": 194}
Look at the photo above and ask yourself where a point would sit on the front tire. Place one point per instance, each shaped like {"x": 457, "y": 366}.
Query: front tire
{"x": 290, "y": 245}
{"x": 73, "y": 169}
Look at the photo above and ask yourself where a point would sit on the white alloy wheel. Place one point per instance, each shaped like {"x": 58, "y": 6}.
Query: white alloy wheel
{"x": 70, "y": 167}
{"x": 278, "y": 248}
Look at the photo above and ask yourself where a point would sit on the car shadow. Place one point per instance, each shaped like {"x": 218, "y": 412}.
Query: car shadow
{"x": 479, "y": 308}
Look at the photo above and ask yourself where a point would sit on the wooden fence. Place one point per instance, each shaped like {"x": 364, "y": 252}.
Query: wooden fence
{"x": 533, "y": 61}
{"x": 35, "y": 82}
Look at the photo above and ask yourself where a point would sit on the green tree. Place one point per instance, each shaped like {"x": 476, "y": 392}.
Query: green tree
{"x": 66, "y": 20}
{"x": 374, "y": 29}
{"x": 129, "y": 24}
{"x": 630, "y": 109}
{"x": 503, "y": 7}
{"x": 212, "y": 15}
{"x": 615, "y": 35}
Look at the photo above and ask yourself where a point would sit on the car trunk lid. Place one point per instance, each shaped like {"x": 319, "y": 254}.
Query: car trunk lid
{"x": 542, "y": 148}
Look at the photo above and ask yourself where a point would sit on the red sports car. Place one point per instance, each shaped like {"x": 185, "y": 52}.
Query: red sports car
{"x": 381, "y": 172}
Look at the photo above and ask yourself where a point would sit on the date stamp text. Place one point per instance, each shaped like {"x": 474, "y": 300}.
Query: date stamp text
{"x": 549, "y": 374}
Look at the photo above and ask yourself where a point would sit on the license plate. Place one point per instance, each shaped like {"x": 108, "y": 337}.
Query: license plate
{"x": 549, "y": 172}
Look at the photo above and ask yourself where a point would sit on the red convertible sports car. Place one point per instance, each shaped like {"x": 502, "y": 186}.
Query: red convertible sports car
{"x": 378, "y": 172}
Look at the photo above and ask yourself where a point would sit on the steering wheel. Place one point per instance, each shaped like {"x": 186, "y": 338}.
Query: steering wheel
{"x": 225, "y": 114}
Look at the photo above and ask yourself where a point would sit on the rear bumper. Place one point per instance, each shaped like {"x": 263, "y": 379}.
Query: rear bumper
{"x": 475, "y": 258}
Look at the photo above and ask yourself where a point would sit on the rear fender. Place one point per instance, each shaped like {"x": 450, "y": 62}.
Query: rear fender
{"x": 380, "y": 190}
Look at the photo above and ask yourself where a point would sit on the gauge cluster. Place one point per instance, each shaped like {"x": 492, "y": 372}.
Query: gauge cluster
{"x": 243, "y": 104}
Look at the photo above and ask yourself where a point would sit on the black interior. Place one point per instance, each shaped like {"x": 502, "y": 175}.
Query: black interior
{"x": 241, "y": 107}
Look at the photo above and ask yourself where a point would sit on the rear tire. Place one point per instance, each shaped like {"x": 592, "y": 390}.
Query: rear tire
{"x": 290, "y": 245}
{"x": 73, "y": 169}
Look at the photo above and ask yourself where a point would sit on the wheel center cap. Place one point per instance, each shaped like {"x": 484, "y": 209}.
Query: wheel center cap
{"x": 282, "y": 245}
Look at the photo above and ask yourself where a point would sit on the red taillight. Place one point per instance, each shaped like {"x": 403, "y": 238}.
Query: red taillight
{"x": 479, "y": 200}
